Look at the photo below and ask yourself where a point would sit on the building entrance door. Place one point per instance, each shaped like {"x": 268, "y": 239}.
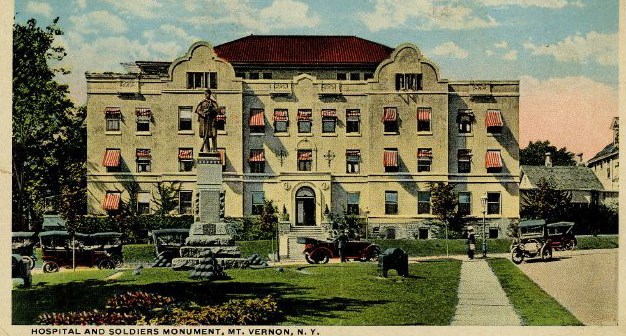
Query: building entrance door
{"x": 305, "y": 207}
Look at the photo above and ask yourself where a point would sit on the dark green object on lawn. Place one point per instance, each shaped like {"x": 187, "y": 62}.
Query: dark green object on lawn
{"x": 393, "y": 258}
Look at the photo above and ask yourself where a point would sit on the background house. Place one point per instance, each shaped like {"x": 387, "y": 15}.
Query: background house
{"x": 605, "y": 165}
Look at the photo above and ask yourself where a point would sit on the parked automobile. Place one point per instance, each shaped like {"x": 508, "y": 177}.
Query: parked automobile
{"x": 167, "y": 242}
{"x": 23, "y": 243}
{"x": 320, "y": 252}
{"x": 561, "y": 235}
{"x": 110, "y": 242}
{"x": 532, "y": 242}
{"x": 60, "y": 249}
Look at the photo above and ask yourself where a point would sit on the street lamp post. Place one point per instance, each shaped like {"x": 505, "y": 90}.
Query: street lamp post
{"x": 483, "y": 201}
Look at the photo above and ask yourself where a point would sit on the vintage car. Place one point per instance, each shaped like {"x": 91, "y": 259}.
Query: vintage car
{"x": 23, "y": 243}
{"x": 532, "y": 241}
{"x": 320, "y": 252}
{"x": 110, "y": 242}
{"x": 61, "y": 249}
{"x": 167, "y": 242}
{"x": 561, "y": 235}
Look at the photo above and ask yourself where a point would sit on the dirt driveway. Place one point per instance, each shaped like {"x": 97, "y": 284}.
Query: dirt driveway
{"x": 584, "y": 282}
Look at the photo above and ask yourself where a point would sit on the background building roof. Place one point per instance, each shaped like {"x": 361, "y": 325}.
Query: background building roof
{"x": 564, "y": 177}
{"x": 609, "y": 150}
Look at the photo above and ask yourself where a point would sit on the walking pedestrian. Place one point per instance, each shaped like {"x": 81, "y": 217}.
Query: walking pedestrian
{"x": 342, "y": 242}
{"x": 471, "y": 242}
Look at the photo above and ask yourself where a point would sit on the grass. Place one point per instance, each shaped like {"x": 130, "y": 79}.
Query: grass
{"x": 331, "y": 294}
{"x": 603, "y": 242}
{"x": 437, "y": 247}
{"x": 535, "y": 306}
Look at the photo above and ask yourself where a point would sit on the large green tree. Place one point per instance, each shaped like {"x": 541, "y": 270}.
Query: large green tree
{"x": 48, "y": 140}
{"x": 545, "y": 202}
{"x": 535, "y": 154}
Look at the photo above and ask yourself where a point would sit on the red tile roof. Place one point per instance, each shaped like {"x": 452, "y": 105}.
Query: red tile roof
{"x": 303, "y": 50}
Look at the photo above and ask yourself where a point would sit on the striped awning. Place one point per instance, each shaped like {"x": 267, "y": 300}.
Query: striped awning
{"x": 281, "y": 115}
{"x": 257, "y": 155}
{"x": 353, "y": 113}
{"x": 353, "y": 155}
{"x": 465, "y": 116}
{"x": 329, "y": 113}
{"x": 111, "y": 201}
{"x": 390, "y": 158}
{"x": 390, "y": 114}
{"x": 304, "y": 115}
{"x": 493, "y": 159}
{"x": 493, "y": 119}
{"x": 221, "y": 113}
{"x": 143, "y": 153}
{"x": 112, "y": 111}
{"x": 185, "y": 153}
{"x": 112, "y": 158}
{"x": 222, "y": 152}
{"x": 305, "y": 155}
{"x": 424, "y": 154}
{"x": 464, "y": 154}
{"x": 256, "y": 117}
{"x": 143, "y": 112}
{"x": 423, "y": 114}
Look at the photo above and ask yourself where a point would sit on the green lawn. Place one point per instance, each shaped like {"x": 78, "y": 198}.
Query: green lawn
{"x": 535, "y": 307}
{"x": 332, "y": 294}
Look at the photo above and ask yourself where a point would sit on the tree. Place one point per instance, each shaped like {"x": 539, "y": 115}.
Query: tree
{"x": 535, "y": 154}
{"x": 545, "y": 202}
{"x": 168, "y": 197}
{"x": 443, "y": 204}
{"x": 44, "y": 121}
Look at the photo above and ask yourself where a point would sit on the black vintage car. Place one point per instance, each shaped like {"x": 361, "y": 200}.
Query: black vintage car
{"x": 111, "y": 243}
{"x": 167, "y": 242}
{"x": 320, "y": 252}
{"x": 61, "y": 249}
{"x": 23, "y": 243}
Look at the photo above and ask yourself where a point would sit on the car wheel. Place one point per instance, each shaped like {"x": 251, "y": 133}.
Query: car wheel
{"x": 569, "y": 245}
{"x": 546, "y": 252}
{"x": 517, "y": 256}
{"x": 320, "y": 257}
{"x": 30, "y": 260}
{"x": 308, "y": 259}
{"x": 106, "y": 264}
{"x": 118, "y": 261}
{"x": 373, "y": 254}
{"x": 50, "y": 267}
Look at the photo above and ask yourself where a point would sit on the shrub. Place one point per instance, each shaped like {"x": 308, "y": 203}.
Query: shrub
{"x": 137, "y": 302}
{"x": 94, "y": 317}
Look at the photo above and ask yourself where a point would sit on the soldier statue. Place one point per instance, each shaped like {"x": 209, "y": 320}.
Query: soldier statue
{"x": 207, "y": 111}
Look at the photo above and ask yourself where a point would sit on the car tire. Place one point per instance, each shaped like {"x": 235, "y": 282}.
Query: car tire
{"x": 118, "y": 261}
{"x": 569, "y": 245}
{"x": 308, "y": 259}
{"x": 30, "y": 260}
{"x": 517, "y": 256}
{"x": 320, "y": 257}
{"x": 106, "y": 264}
{"x": 373, "y": 254}
{"x": 546, "y": 252}
{"x": 50, "y": 267}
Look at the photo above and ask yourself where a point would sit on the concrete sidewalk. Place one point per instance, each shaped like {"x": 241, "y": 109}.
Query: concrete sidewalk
{"x": 482, "y": 301}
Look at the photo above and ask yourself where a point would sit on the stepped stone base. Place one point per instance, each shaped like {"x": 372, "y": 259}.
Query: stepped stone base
{"x": 184, "y": 264}
{"x": 218, "y": 251}
{"x": 210, "y": 240}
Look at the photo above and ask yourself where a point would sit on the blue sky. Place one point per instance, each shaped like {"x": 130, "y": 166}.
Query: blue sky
{"x": 564, "y": 52}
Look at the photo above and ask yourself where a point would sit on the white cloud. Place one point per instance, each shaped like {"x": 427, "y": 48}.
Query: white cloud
{"x": 82, "y": 4}
{"x": 572, "y": 112}
{"x": 169, "y": 41}
{"x": 501, "y": 45}
{"x": 511, "y": 55}
{"x": 597, "y": 47}
{"x": 422, "y": 15}
{"x": 288, "y": 14}
{"x": 489, "y": 52}
{"x": 525, "y": 3}
{"x": 39, "y": 8}
{"x": 141, "y": 8}
{"x": 98, "y": 22}
{"x": 450, "y": 49}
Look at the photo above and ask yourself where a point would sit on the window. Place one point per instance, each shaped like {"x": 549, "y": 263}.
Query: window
{"x": 185, "y": 202}
{"x": 390, "y": 160}
{"x": 240, "y": 74}
{"x": 355, "y": 76}
{"x": 608, "y": 172}
{"x": 112, "y": 160}
{"x": 185, "y": 159}
{"x": 465, "y": 205}
{"x": 353, "y": 120}
{"x": 220, "y": 119}
{"x": 254, "y": 75}
{"x": 305, "y": 159}
{"x": 465, "y": 119}
{"x": 493, "y": 233}
{"x": 198, "y": 80}
{"x": 329, "y": 121}
{"x": 143, "y": 119}
{"x": 390, "y": 119}
{"x": 257, "y": 202}
{"x": 341, "y": 76}
{"x": 423, "y": 119}
{"x": 493, "y": 122}
{"x": 423, "y": 202}
{"x": 184, "y": 118}
{"x": 267, "y": 75}
{"x": 391, "y": 202}
{"x": 493, "y": 203}
{"x": 408, "y": 82}
{"x": 304, "y": 121}
{"x": 493, "y": 161}
{"x": 144, "y": 159}
{"x": 353, "y": 158}
{"x": 424, "y": 159}
{"x": 143, "y": 203}
{"x": 257, "y": 121}
{"x": 281, "y": 120}
{"x": 464, "y": 160}
{"x": 368, "y": 75}
{"x": 352, "y": 201}
{"x": 257, "y": 161}
{"x": 113, "y": 116}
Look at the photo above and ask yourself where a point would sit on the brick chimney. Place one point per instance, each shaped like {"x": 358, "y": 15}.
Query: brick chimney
{"x": 580, "y": 162}
{"x": 548, "y": 159}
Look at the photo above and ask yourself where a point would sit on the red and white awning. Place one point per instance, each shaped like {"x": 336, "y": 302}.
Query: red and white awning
{"x": 143, "y": 154}
{"x": 222, "y": 152}
{"x": 390, "y": 158}
{"x": 353, "y": 113}
{"x": 221, "y": 113}
{"x": 494, "y": 119}
{"x": 257, "y": 155}
{"x": 305, "y": 155}
{"x": 464, "y": 154}
{"x": 112, "y": 158}
{"x": 493, "y": 159}
{"x": 281, "y": 115}
{"x": 111, "y": 201}
{"x": 423, "y": 114}
{"x": 329, "y": 113}
{"x": 353, "y": 155}
{"x": 390, "y": 114}
{"x": 112, "y": 111}
{"x": 256, "y": 118}
{"x": 143, "y": 112}
{"x": 304, "y": 115}
{"x": 424, "y": 154}
{"x": 185, "y": 153}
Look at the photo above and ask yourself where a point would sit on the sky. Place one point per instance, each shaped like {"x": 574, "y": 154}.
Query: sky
{"x": 563, "y": 52}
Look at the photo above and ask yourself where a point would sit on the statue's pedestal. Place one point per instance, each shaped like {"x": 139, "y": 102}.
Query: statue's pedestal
{"x": 209, "y": 232}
